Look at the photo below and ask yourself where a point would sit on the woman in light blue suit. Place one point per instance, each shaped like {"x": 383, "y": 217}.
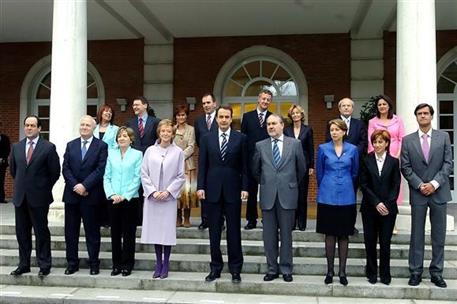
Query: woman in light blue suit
{"x": 121, "y": 183}
{"x": 105, "y": 130}
{"x": 336, "y": 171}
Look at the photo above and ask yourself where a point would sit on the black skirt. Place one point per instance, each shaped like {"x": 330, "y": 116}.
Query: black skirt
{"x": 336, "y": 220}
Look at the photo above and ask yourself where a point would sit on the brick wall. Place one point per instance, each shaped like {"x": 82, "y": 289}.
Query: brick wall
{"x": 119, "y": 62}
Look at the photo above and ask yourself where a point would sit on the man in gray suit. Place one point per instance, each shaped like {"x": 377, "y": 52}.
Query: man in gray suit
{"x": 426, "y": 163}
{"x": 279, "y": 165}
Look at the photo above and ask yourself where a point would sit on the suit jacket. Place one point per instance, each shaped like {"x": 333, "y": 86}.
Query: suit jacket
{"x": 226, "y": 177}
{"x": 201, "y": 129}
{"x": 150, "y": 132}
{"x": 250, "y": 126}
{"x": 358, "y": 135}
{"x": 282, "y": 181}
{"x": 110, "y": 135}
{"x": 416, "y": 170}
{"x": 186, "y": 141}
{"x": 5, "y": 149}
{"x": 122, "y": 175}
{"x": 380, "y": 188}
{"x": 34, "y": 181}
{"x": 88, "y": 171}
{"x": 306, "y": 138}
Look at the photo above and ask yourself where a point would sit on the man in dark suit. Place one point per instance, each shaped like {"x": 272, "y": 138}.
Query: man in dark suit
{"x": 222, "y": 183}
{"x": 426, "y": 163}
{"x": 144, "y": 126}
{"x": 4, "y": 153}
{"x": 35, "y": 167}
{"x": 83, "y": 168}
{"x": 254, "y": 126}
{"x": 278, "y": 165}
{"x": 203, "y": 125}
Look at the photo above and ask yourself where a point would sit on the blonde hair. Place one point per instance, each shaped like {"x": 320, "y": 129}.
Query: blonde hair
{"x": 299, "y": 108}
{"x": 166, "y": 123}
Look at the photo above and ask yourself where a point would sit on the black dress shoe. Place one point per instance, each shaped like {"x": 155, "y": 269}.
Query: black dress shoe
{"x": 20, "y": 270}
{"x": 343, "y": 279}
{"x": 94, "y": 271}
{"x": 439, "y": 281}
{"x": 250, "y": 225}
{"x": 236, "y": 278}
{"x": 71, "y": 270}
{"x": 126, "y": 272}
{"x": 386, "y": 280}
{"x": 115, "y": 271}
{"x": 212, "y": 276}
{"x": 372, "y": 279}
{"x": 203, "y": 226}
{"x": 287, "y": 277}
{"x": 356, "y": 231}
{"x": 44, "y": 272}
{"x": 329, "y": 278}
{"x": 270, "y": 277}
{"x": 414, "y": 280}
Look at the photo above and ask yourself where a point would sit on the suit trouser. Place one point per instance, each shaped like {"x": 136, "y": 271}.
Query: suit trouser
{"x": 123, "y": 233}
{"x": 2, "y": 182}
{"x": 282, "y": 219}
{"x": 27, "y": 217}
{"x": 73, "y": 215}
{"x": 301, "y": 213}
{"x": 375, "y": 225}
{"x": 232, "y": 212}
{"x": 438, "y": 236}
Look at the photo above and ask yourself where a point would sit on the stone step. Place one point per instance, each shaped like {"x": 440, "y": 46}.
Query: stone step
{"x": 252, "y": 264}
{"x": 250, "y": 247}
{"x": 256, "y": 234}
{"x": 141, "y": 288}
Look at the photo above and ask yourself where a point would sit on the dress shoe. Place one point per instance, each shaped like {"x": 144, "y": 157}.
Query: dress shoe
{"x": 302, "y": 228}
{"x": 270, "y": 277}
{"x": 212, "y": 276}
{"x": 44, "y": 272}
{"x": 250, "y": 225}
{"x": 71, "y": 270}
{"x": 236, "y": 278}
{"x": 386, "y": 280}
{"x": 439, "y": 281}
{"x": 116, "y": 271}
{"x": 343, "y": 279}
{"x": 414, "y": 280}
{"x": 329, "y": 278}
{"x": 203, "y": 226}
{"x": 20, "y": 270}
{"x": 94, "y": 271}
{"x": 356, "y": 231}
{"x": 287, "y": 277}
{"x": 126, "y": 272}
{"x": 372, "y": 279}
{"x": 164, "y": 272}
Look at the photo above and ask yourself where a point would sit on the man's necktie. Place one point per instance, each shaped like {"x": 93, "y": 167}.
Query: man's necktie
{"x": 30, "y": 152}
{"x": 276, "y": 154}
{"x": 261, "y": 120}
{"x": 425, "y": 147}
{"x": 223, "y": 146}
{"x": 140, "y": 127}
{"x": 208, "y": 121}
{"x": 348, "y": 123}
{"x": 84, "y": 149}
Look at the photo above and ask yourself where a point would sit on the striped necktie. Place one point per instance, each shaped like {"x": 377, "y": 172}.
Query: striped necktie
{"x": 223, "y": 146}
{"x": 30, "y": 152}
{"x": 140, "y": 127}
{"x": 261, "y": 119}
{"x": 208, "y": 122}
{"x": 276, "y": 154}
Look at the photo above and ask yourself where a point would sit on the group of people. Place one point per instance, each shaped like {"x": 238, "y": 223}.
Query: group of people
{"x": 145, "y": 170}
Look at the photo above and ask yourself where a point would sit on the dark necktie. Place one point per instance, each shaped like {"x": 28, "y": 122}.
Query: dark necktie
{"x": 276, "y": 154}
{"x": 261, "y": 120}
{"x": 140, "y": 127}
{"x": 223, "y": 146}
{"x": 30, "y": 152}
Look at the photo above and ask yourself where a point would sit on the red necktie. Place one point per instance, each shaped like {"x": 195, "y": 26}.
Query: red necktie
{"x": 30, "y": 152}
{"x": 140, "y": 127}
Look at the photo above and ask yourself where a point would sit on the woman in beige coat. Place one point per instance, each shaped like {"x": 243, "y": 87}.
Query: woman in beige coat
{"x": 185, "y": 139}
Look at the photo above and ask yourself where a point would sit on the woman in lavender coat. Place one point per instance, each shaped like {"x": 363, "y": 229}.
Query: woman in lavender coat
{"x": 162, "y": 176}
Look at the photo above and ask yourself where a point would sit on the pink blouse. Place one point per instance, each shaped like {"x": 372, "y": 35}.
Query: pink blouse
{"x": 396, "y": 129}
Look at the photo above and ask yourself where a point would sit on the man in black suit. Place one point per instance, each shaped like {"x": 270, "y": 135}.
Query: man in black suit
{"x": 254, "y": 126}
{"x": 144, "y": 126}
{"x": 35, "y": 167}
{"x": 203, "y": 125}
{"x": 222, "y": 183}
{"x": 83, "y": 168}
{"x": 4, "y": 153}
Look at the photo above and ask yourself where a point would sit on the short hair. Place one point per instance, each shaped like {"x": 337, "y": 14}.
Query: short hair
{"x": 181, "y": 108}
{"x": 142, "y": 99}
{"x": 339, "y": 123}
{"x": 94, "y": 123}
{"x": 165, "y": 123}
{"x": 38, "y": 124}
{"x": 423, "y": 105}
{"x": 299, "y": 108}
{"x": 265, "y": 91}
{"x": 341, "y": 100}
{"x": 281, "y": 120}
{"x": 225, "y": 107}
{"x": 384, "y": 134}
{"x": 129, "y": 131}
{"x": 102, "y": 109}
{"x": 390, "y": 113}
{"x": 210, "y": 95}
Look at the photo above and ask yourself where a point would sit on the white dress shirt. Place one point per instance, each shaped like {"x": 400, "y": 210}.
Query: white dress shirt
{"x": 380, "y": 159}
{"x": 280, "y": 143}
{"x": 221, "y": 138}
{"x": 89, "y": 141}
{"x": 27, "y": 144}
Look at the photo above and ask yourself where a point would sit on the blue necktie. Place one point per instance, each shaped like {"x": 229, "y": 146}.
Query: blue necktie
{"x": 276, "y": 155}
{"x": 223, "y": 146}
{"x": 84, "y": 149}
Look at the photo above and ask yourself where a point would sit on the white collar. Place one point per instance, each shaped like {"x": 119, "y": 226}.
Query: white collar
{"x": 429, "y": 133}
{"x": 280, "y": 138}
{"x": 226, "y": 132}
{"x": 89, "y": 140}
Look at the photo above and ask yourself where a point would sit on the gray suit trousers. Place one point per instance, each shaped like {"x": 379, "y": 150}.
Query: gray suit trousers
{"x": 274, "y": 219}
{"x": 438, "y": 235}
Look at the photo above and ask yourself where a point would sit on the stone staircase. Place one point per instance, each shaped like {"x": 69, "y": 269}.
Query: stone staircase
{"x": 190, "y": 265}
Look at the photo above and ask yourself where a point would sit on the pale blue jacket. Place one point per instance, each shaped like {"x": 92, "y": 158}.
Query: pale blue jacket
{"x": 110, "y": 135}
{"x": 122, "y": 175}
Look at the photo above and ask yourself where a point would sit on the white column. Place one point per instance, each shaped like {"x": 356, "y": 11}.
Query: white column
{"x": 69, "y": 79}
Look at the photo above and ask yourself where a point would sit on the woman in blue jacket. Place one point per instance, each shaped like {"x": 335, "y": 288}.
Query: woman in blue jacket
{"x": 336, "y": 171}
{"x": 121, "y": 183}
